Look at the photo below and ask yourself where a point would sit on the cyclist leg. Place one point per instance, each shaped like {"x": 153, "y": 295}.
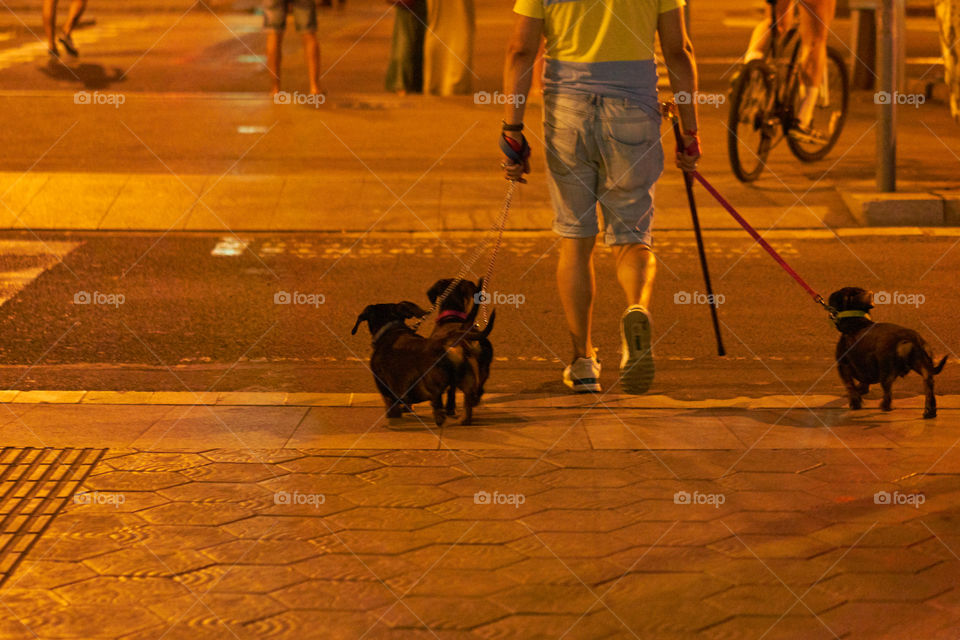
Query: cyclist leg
{"x": 815, "y": 19}
{"x": 781, "y": 13}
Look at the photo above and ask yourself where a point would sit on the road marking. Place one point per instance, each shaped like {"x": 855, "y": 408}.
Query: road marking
{"x": 40, "y": 256}
{"x": 230, "y": 246}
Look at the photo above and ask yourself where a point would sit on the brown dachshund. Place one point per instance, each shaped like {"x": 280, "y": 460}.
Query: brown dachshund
{"x": 869, "y": 352}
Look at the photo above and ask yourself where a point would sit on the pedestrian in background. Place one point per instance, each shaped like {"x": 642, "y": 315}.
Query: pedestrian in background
{"x": 275, "y": 22}
{"x": 77, "y": 8}
{"x": 405, "y": 71}
{"x": 448, "y": 51}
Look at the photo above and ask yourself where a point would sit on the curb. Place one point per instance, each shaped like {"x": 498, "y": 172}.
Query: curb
{"x": 494, "y": 400}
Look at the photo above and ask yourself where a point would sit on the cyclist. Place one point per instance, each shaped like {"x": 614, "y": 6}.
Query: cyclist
{"x": 815, "y": 18}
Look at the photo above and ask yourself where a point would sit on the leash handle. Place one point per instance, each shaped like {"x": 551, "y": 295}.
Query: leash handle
{"x": 756, "y": 236}
{"x": 517, "y": 150}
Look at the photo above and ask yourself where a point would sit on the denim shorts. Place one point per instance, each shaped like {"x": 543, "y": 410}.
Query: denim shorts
{"x": 601, "y": 151}
{"x": 304, "y": 14}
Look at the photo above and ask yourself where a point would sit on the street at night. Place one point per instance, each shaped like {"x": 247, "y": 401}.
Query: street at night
{"x": 192, "y": 441}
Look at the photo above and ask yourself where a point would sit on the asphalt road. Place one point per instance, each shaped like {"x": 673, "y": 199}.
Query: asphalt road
{"x": 167, "y": 314}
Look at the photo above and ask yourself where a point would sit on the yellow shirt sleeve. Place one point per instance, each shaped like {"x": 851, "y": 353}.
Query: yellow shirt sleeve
{"x": 669, "y": 5}
{"x": 534, "y": 8}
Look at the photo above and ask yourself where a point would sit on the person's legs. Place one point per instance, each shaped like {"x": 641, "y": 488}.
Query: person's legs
{"x": 50, "y": 23}
{"x": 311, "y": 51}
{"x": 814, "y": 26}
{"x": 274, "y": 57}
{"x": 576, "y": 283}
{"x": 636, "y": 268}
{"x": 305, "y": 16}
{"x": 77, "y": 7}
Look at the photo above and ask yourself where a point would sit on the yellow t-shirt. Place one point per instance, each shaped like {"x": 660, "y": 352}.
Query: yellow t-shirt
{"x": 600, "y": 46}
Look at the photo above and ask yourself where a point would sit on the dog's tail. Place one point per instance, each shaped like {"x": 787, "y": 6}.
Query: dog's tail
{"x": 487, "y": 329}
{"x": 937, "y": 369}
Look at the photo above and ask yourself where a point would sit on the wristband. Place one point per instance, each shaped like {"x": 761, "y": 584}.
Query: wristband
{"x": 692, "y": 149}
{"x": 512, "y": 127}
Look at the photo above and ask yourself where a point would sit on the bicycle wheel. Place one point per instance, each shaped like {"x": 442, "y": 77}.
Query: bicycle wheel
{"x": 830, "y": 113}
{"x": 748, "y": 136}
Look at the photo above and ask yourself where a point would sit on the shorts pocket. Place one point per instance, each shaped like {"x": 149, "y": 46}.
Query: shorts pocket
{"x": 561, "y": 144}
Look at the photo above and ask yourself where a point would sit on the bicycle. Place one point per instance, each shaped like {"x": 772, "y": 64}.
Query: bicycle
{"x": 764, "y": 98}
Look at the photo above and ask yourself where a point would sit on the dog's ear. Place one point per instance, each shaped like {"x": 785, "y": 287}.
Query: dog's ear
{"x": 437, "y": 289}
{"x": 363, "y": 317}
{"x": 865, "y": 299}
{"x": 411, "y": 310}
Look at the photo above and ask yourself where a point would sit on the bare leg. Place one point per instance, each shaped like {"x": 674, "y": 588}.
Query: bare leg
{"x": 575, "y": 280}
{"x": 311, "y": 51}
{"x": 50, "y": 22}
{"x": 814, "y": 26}
{"x": 77, "y": 7}
{"x": 636, "y": 268}
{"x": 274, "y": 57}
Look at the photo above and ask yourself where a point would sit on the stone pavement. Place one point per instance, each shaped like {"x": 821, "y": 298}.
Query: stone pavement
{"x": 568, "y": 517}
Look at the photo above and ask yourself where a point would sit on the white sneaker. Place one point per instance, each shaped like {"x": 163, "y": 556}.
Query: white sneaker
{"x": 636, "y": 363}
{"x": 583, "y": 376}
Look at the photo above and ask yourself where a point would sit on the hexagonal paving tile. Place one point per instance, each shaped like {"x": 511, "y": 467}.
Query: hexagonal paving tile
{"x": 162, "y": 539}
{"x": 577, "y": 520}
{"x": 90, "y": 621}
{"x": 378, "y": 518}
{"x": 140, "y": 561}
{"x": 157, "y": 461}
{"x": 770, "y": 546}
{"x": 120, "y": 590}
{"x": 572, "y": 599}
{"x": 280, "y": 527}
{"x": 463, "y": 556}
{"x": 134, "y": 480}
{"x": 412, "y": 475}
{"x": 350, "y": 566}
{"x": 261, "y": 551}
{"x": 443, "y": 613}
{"x": 398, "y": 496}
{"x": 240, "y": 578}
{"x": 422, "y": 458}
{"x": 588, "y": 478}
{"x": 196, "y": 610}
{"x": 330, "y": 464}
{"x": 260, "y": 456}
{"x": 569, "y": 627}
{"x": 47, "y": 574}
{"x": 195, "y": 513}
{"x": 233, "y": 472}
{"x": 583, "y": 544}
{"x": 554, "y": 571}
{"x": 211, "y": 492}
{"x": 451, "y": 582}
{"x": 343, "y": 595}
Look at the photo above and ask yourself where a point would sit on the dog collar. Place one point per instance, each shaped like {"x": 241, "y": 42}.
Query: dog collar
{"x": 385, "y": 328}
{"x": 458, "y": 315}
{"x": 854, "y": 313}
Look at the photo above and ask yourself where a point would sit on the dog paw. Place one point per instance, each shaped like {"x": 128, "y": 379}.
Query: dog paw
{"x": 929, "y": 414}
{"x": 886, "y": 407}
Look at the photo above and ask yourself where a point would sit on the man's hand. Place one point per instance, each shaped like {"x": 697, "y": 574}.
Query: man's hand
{"x": 688, "y": 156}
{"x": 515, "y": 170}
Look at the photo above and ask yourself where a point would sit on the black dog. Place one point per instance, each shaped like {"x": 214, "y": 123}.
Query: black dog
{"x": 870, "y": 353}
{"x": 452, "y": 320}
{"x": 408, "y": 368}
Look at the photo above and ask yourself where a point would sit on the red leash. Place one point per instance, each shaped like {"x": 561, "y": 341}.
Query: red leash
{"x": 756, "y": 236}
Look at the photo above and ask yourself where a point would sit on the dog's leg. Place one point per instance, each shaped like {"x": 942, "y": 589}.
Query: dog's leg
{"x": 394, "y": 407}
{"x": 886, "y": 381}
{"x": 853, "y": 389}
{"x": 930, "y": 404}
{"x": 439, "y": 415}
{"x": 452, "y": 402}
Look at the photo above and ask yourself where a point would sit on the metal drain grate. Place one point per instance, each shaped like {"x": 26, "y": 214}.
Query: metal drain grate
{"x": 35, "y": 485}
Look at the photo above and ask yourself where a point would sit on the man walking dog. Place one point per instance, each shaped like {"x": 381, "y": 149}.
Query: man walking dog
{"x": 602, "y": 137}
